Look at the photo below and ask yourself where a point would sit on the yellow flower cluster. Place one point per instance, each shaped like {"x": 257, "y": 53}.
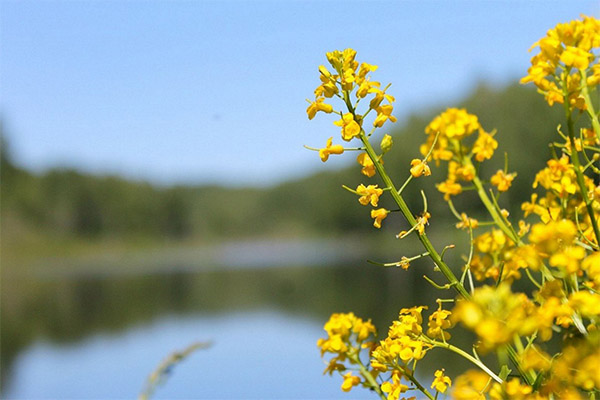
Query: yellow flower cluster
{"x": 559, "y": 69}
{"x": 403, "y": 342}
{"x": 347, "y": 78}
{"x": 346, "y": 336}
{"x": 529, "y": 292}
{"x": 446, "y": 142}
{"x": 496, "y": 315}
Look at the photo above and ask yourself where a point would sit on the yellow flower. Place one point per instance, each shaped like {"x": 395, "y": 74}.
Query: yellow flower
{"x": 379, "y": 215}
{"x": 369, "y": 194}
{"x": 568, "y": 258}
{"x": 441, "y": 382}
{"x": 576, "y": 57}
{"x": 394, "y": 388}
{"x": 386, "y": 143}
{"x": 502, "y": 181}
{"x": 512, "y": 389}
{"x": 472, "y": 385}
{"x": 484, "y": 146}
{"x": 422, "y": 221}
{"x": 316, "y": 106}
{"x": 380, "y": 95}
{"x": 330, "y": 149}
{"x": 350, "y": 381}
{"x": 419, "y": 167}
{"x": 383, "y": 114}
{"x": 438, "y": 321}
{"x": 467, "y": 222}
{"x": 449, "y": 188}
{"x": 453, "y": 123}
{"x": 587, "y": 303}
{"x": 368, "y": 168}
{"x": 350, "y": 128}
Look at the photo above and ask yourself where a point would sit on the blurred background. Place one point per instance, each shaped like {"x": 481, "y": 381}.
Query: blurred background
{"x": 155, "y": 191}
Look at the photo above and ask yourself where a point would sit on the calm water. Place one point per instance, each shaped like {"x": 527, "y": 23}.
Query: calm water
{"x": 99, "y": 336}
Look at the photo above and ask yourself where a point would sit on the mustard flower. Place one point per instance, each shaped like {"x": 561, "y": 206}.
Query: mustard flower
{"x": 467, "y": 222}
{"x": 419, "y": 167}
{"x": 350, "y": 128}
{"x": 379, "y": 215}
{"x": 471, "y": 385}
{"x": 511, "y": 389}
{"x": 394, "y": 388}
{"x": 350, "y": 381}
{"x": 422, "y": 221}
{"x": 383, "y": 114}
{"x": 386, "y": 143}
{"x": 318, "y": 105}
{"x": 380, "y": 95}
{"x": 502, "y": 180}
{"x": 484, "y": 146}
{"x": 330, "y": 149}
{"x": 441, "y": 382}
{"x": 576, "y": 57}
{"x": 449, "y": 188}
{"x": 438, "y": 321}
{"x": 368, "y": 194}
{"x": 368, "y": 168}
{"x": 453, "y": 123}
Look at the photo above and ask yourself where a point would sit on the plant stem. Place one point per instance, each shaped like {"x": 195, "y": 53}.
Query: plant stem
{"x": 466, "y": 355}
{"x": 577, "y": 164}
{"x": 411, "y": 219}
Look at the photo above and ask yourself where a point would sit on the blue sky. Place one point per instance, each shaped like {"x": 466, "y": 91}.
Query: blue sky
{"x": 197, "y": 92}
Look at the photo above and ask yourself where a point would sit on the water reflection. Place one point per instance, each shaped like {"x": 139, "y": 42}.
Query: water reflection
{"x": 78, "y": 316}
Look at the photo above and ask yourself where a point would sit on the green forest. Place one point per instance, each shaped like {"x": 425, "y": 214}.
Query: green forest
{"x": 66, "y": 205}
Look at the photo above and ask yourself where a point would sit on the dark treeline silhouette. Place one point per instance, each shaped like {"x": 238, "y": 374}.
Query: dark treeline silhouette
{"x": 67, "y": 203}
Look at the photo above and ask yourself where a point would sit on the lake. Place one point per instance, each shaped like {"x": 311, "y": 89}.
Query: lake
{"x": 99, "y": 332}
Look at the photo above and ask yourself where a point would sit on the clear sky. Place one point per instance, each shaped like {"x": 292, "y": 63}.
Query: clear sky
{"x": 199, "y": 91}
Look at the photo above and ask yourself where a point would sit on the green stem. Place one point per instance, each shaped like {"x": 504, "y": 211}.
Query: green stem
{"x": 466, "y": 355}
{"x": 416, "y": 382}
{"x": 367, "y": 375}
{"x": 577, "y": 165}
{"x": 411, "y": 219}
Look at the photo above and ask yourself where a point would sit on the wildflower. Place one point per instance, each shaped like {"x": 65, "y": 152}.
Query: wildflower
{"x": 502, "y": 180}
{"x": 350, "y": 128}
{"x": 568, "y": 258}
{"x": 379, "y": 215}
{"x": 422, "y": 221}
{"x": 380, "y": 95}
{"x": 330, "y": 149}
{"x": 328, "y": 87}
{"x": 472, "y": 385}
{"x": 318, "y": 105}
{"x": 576, "y": 57}
{"x": 386, "y": 143}
{"x": 350, "y": 381}
{"x": 512, "y": 389}
{"x": 419, "y": 167}
{"x": 368, "y": 168}
{"x": 404, "y": 263}
{"x": 467, "y": 222}
{"x": 394, "y": 388}
{"x": 383, "y": 114}
{"x": 496, "y": 315}
{"x": 438, "y": 321}
{"x": 369, "y": 194}
{"x": 453, "y": 123}
{"x": 441, "y": 382}
{"x": 449, "y": 188}
{"x": 484, "y": 146}
{"x": 587, "y": 303}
